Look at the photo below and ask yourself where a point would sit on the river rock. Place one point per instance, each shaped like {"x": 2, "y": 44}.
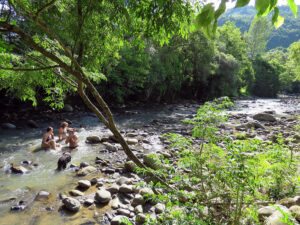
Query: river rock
{"x": 159, "y": 208}
{"x": 277, "y": 216}
{"x": 83, "y": 164}
{"x": 18, "y": 207}
{"x": 131, "y": 141}
{"x": 138, "y": 200}
{"x": 287, "y": 202}
{"x": 115, "y": 203}
{"x": 140, "y": 219}
{"x": 32, "y": 124}
{"x": 84, "y": 184}
{"x": 93, "y": 139}
{"x": 103, "y": 196}
{"x": 89, "y": 202}
{"x": 8, "y": 126}
{"x": 145, "y": 192}
{"x": 114, "y": 188}
{"x": 76, "y": 193}
{"x": 138, "y": 209}
{"x": 131, "y": 135}
{"x": 123, "y": 180}
{"x": 42, "y": 195}
{"x": 152, "y": 160}
{"x": 296, "y": 138}
{"x": 110, "y": 147}
{"x": 130, "y": 166}
{"x": 86, "y": 170}
{"x": 296, "y": 210}
{"x": 264, "y": 117}
{"x": 63, "y": 161}
{"x": 72, "y": 204}
{"x": 123, "y": 212}
{"x": 124, "y": 188}
{"x": 255, "y": 125}
{"x": 18, "y": 169}
{"x": 119, "y": 220}
{"x": 68, "y": 108}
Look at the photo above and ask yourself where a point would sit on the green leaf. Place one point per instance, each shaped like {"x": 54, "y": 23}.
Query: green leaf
{"x": 206, "y": 16}
{"x": 262, "y": 7}
{"x": 293, "y": 7}
{"x": 279, "y": 22}
{"x": 241, "y": 3}
{"x": 275, "y": 16}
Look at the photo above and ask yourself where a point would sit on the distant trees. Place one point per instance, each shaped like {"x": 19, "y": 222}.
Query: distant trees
{"x": 257, "y": 36}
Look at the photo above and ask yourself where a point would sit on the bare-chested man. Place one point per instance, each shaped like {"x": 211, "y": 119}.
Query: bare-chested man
{"x": 72, "y": 139}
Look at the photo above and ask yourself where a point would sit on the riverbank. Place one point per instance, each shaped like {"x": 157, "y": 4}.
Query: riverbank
{"x": 144, "y": 128}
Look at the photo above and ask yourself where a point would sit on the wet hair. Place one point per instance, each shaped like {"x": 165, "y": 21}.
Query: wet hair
{"x": 64, "y": 124}
{"x": 49, "y": 128}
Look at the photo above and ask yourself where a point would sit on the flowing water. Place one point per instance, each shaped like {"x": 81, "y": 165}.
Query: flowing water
{"x": 19, "y": 145}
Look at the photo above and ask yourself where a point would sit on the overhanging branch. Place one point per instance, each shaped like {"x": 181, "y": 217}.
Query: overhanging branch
{"x": 43, "y": 9}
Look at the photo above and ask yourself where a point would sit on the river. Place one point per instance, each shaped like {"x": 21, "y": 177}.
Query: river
{"x": 16, "y": 145}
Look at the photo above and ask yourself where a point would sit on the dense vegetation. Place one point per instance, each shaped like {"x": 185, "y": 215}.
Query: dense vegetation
{"x": 234, "y": 62}
{"x": 152, "y": 51}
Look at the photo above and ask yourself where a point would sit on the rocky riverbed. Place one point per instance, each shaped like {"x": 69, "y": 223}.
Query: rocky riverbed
{"x": 99, "y": 185}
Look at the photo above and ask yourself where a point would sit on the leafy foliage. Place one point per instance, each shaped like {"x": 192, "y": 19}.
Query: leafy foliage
{"x": 218, "y": 182}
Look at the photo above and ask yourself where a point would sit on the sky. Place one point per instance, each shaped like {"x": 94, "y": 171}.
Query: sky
{"x": 232, "y": 3}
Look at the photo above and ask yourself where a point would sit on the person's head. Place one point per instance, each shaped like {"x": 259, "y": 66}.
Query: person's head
{"x": 64, "y": 124}
{"x": 49, "y": 129}
{"x": 71, "y": 132}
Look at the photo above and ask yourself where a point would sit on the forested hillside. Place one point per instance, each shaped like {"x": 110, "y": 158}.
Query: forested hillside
{"x": 288, "y": 33}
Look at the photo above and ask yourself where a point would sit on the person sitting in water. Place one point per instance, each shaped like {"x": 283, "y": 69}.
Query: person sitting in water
{"x": 48, "y": 141}
{"x": 63, "y": 131}
{"x": 72, "y": 139}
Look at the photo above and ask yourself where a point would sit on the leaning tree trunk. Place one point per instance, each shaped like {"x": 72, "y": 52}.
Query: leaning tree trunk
{"x": 81, "y": 81}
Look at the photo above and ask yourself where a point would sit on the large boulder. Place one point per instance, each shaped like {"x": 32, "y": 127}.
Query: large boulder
{"x": 72, "y": 204}
{"x": 63, "y": 161}
{"x": 264, "y": 117}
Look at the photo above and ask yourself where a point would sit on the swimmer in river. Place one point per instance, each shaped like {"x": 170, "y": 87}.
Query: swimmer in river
{"x": 48, "y": 141}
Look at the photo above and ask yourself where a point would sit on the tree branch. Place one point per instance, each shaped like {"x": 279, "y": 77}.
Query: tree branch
{"x": 43, "y": 9}
{"x": 88, "y": 102}
{"x": 68, "y": 80}
{"x": 27, "y": 69}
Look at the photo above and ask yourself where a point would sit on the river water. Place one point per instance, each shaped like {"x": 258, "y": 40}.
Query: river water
{"x": 17, "y": 145}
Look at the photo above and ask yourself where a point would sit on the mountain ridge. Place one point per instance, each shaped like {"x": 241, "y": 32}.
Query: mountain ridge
{"x": 288, "y": 33}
